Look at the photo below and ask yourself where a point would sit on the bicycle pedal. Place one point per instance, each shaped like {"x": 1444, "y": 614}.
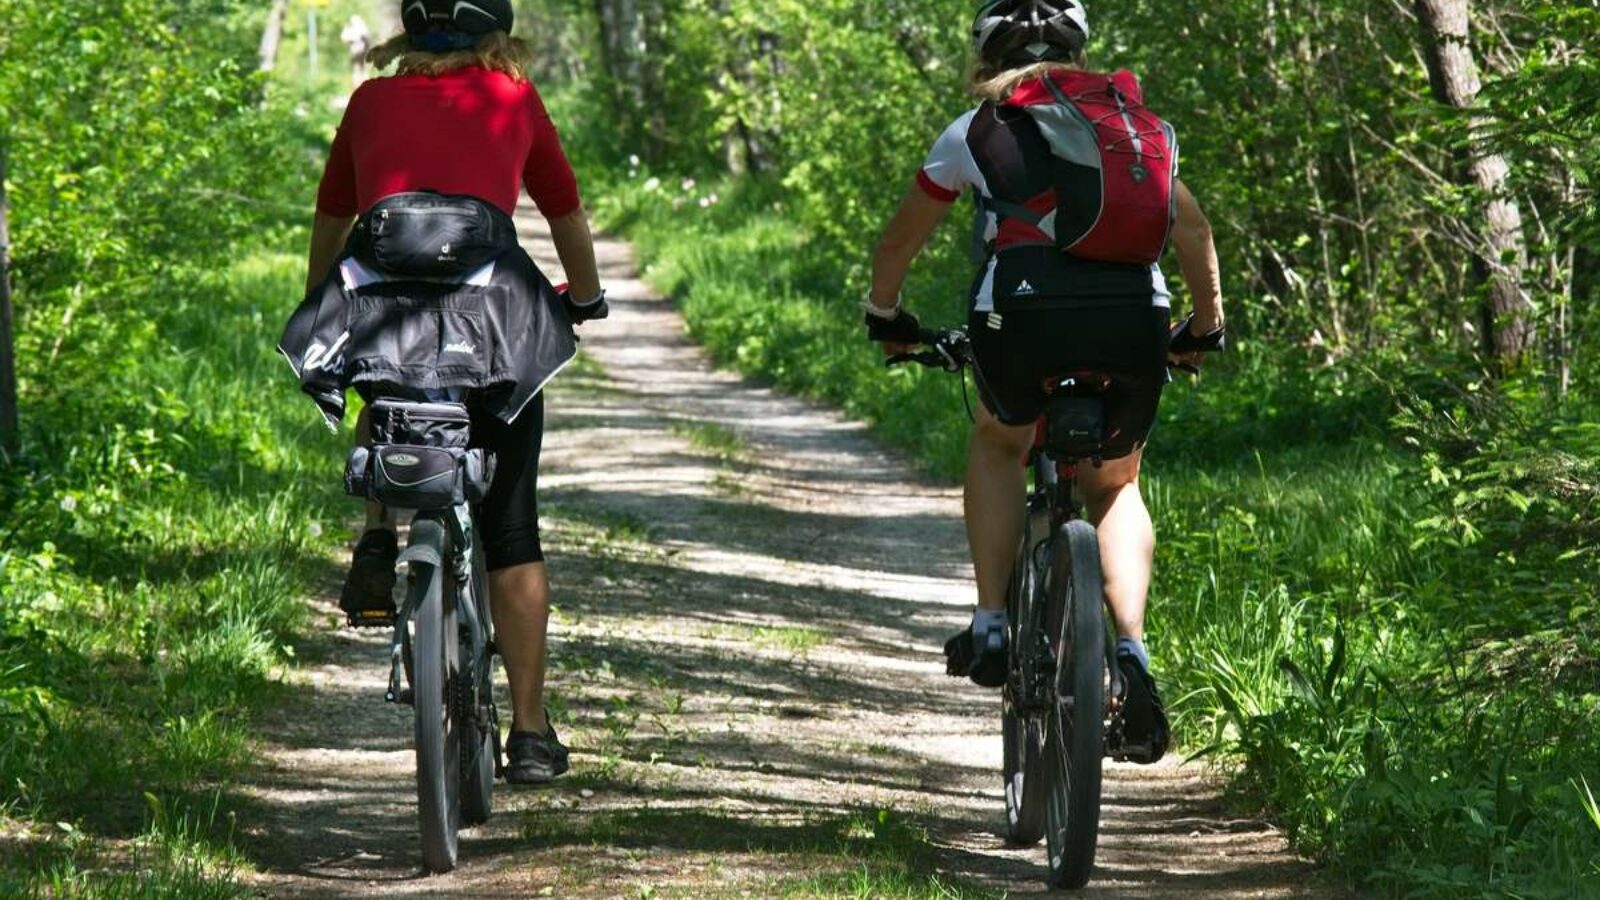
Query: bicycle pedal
{"x": 371, "y": 618}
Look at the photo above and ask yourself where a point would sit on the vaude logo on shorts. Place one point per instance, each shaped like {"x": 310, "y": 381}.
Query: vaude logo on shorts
{"x": 1024, "y": 290}
{"x": 403, "y": 460}
{"x": 461, "y": 347}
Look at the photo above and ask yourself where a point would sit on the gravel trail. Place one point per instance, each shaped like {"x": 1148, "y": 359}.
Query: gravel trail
{"x": 752, "y": 596}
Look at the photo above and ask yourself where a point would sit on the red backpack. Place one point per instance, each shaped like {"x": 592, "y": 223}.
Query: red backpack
{"x": 1115, "y": 165}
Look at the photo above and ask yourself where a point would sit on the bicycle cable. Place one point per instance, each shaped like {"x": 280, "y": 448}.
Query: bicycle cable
{"x": 966, "y": 399}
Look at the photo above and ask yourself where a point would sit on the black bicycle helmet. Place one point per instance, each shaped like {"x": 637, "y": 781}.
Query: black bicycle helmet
{"x": 1022, "y": 32}
{"x": 439, "y": 25}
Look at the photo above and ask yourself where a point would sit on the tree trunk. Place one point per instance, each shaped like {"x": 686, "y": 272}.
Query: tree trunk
{"x": 272, "y": 35}
{"x": 621, "y": 41}
{"x": 624, "y": 33}
{"x": 1506, "y": 316}
{"x": 10, "y": 439}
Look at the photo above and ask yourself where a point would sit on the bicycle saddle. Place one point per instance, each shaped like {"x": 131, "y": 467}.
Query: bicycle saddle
{"x": 1077, "y": 384}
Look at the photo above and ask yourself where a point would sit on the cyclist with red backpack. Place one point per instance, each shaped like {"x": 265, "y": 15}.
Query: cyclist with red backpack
{"x": 1078, "y": 195}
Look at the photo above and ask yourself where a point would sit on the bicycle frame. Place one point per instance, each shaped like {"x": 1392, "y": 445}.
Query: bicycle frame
{"x": 1051, "y": 503}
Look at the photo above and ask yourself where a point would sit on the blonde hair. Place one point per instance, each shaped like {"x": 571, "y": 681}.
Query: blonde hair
{"x": 496, "y": 51}
{"x": 990, "y": 82}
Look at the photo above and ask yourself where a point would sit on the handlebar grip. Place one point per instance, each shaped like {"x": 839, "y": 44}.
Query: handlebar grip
{"x": 1182, "y": 341}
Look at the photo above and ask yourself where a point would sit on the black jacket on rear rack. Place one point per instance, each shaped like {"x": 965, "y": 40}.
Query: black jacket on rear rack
{"x": 500, "y": 331}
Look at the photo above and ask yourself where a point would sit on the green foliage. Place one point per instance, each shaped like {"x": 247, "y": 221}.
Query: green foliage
{"x": 167, "y": 514}
{"x": 173, "y": 857}
{"x": 1309, "y": 133}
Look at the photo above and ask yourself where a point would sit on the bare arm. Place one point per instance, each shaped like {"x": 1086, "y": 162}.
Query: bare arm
{"x": 328, "y": 236}
{"x": 1197, "y": 258}
{"x": 907, "y": 233}
{"x": 575, "y": 246}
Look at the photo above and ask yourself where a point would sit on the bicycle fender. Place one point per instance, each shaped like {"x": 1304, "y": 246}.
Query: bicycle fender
{"x": 426, "y": 555}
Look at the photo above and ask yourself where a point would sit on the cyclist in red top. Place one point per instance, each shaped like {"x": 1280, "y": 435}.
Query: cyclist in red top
{"x": 461, "y": 117}
{"x": 1038, "y": 311}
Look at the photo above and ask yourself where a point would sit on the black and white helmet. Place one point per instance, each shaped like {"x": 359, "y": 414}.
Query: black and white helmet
{"x": 1020, "y": 32}
{"x": 463, "y": 17}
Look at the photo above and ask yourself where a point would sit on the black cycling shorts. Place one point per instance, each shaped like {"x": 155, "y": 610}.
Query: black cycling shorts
{"x": 1016, "y": 351}
{"x": 508, "y": 519}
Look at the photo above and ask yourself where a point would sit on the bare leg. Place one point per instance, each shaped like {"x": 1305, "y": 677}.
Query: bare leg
{"x": 997, "y": 487}
{"x": 1127, "y": 539}
{"x": 520, "y": 597}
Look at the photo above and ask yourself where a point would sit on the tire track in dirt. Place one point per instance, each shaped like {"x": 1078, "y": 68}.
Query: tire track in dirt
{"x": 752, "y": 596}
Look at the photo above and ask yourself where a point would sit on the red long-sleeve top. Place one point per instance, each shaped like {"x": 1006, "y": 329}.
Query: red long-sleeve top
{"x": 470, "y": 131}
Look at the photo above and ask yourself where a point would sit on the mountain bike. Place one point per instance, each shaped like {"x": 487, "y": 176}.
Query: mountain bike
{"x": 1061, "y": 703}
{"x": 442, "y": 657}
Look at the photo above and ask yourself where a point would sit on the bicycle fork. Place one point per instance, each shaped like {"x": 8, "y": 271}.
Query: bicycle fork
{"x": 400, "y": 691}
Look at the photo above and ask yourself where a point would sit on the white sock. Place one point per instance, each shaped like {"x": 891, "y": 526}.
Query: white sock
{"x": 989, "y": 625}
{"x": 1136, "y": 647}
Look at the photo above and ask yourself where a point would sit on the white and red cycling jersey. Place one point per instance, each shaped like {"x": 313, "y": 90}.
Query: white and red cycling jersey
{"x": 997, "y": 152}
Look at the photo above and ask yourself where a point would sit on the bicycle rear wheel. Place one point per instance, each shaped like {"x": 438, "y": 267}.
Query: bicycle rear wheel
{"x": 1021, "y": 728}
{"x": 479, "y": 725}
{"x": 437, "y": 665}
{"x": 1075, "y": 728}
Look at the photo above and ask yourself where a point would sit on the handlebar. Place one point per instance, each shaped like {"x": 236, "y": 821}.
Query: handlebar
{"x": 951, "y": 349}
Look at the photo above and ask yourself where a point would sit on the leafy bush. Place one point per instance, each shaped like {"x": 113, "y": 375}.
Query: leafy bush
{"x": 169, "y": 510}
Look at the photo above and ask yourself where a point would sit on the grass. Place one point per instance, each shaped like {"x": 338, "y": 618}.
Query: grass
{"x": 796, "y": 640}
{"x": 1412, "y": 699}
{"x": 715, "y": 441}
{"x": 158, "y": 547}
{"x": 176, "y": 856}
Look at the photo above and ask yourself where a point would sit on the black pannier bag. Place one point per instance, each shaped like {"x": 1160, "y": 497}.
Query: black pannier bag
{"x": 419, "y": 458}
{"x": 422, "y": 234}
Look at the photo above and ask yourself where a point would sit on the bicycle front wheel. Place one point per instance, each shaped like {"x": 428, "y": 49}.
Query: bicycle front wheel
{"x": 1075, "y": 728}
{"x": 437, "y": 663}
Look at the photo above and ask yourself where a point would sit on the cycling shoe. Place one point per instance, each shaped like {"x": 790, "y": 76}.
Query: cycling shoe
{"x": 1145, "y": 732}
{"x": 368, "y": 595}
{"x": 986, "y": 666}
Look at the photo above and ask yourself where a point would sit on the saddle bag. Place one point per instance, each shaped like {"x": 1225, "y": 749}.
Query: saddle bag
{"x": 1075, "y": 427}
{"x": 423, "y": 234}
{"x": 419, "y": 458}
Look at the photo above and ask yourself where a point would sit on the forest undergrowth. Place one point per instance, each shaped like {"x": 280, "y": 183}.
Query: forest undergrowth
{"x": 172, "y": 502}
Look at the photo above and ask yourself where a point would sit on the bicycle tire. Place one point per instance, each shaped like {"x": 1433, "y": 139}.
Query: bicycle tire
{"x": 479, "y": 738}
{"x": 1022, "y": 732}
{"x": 1075, "y": 733}
{"x": 436, "y": 663}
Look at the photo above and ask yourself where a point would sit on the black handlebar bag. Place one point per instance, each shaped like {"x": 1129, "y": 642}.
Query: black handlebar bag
{"x": 423, "y": 234}
{"x": 420, "y": 457}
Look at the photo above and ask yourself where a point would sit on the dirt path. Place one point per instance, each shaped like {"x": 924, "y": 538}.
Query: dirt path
{"x": 752, "y": 597}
